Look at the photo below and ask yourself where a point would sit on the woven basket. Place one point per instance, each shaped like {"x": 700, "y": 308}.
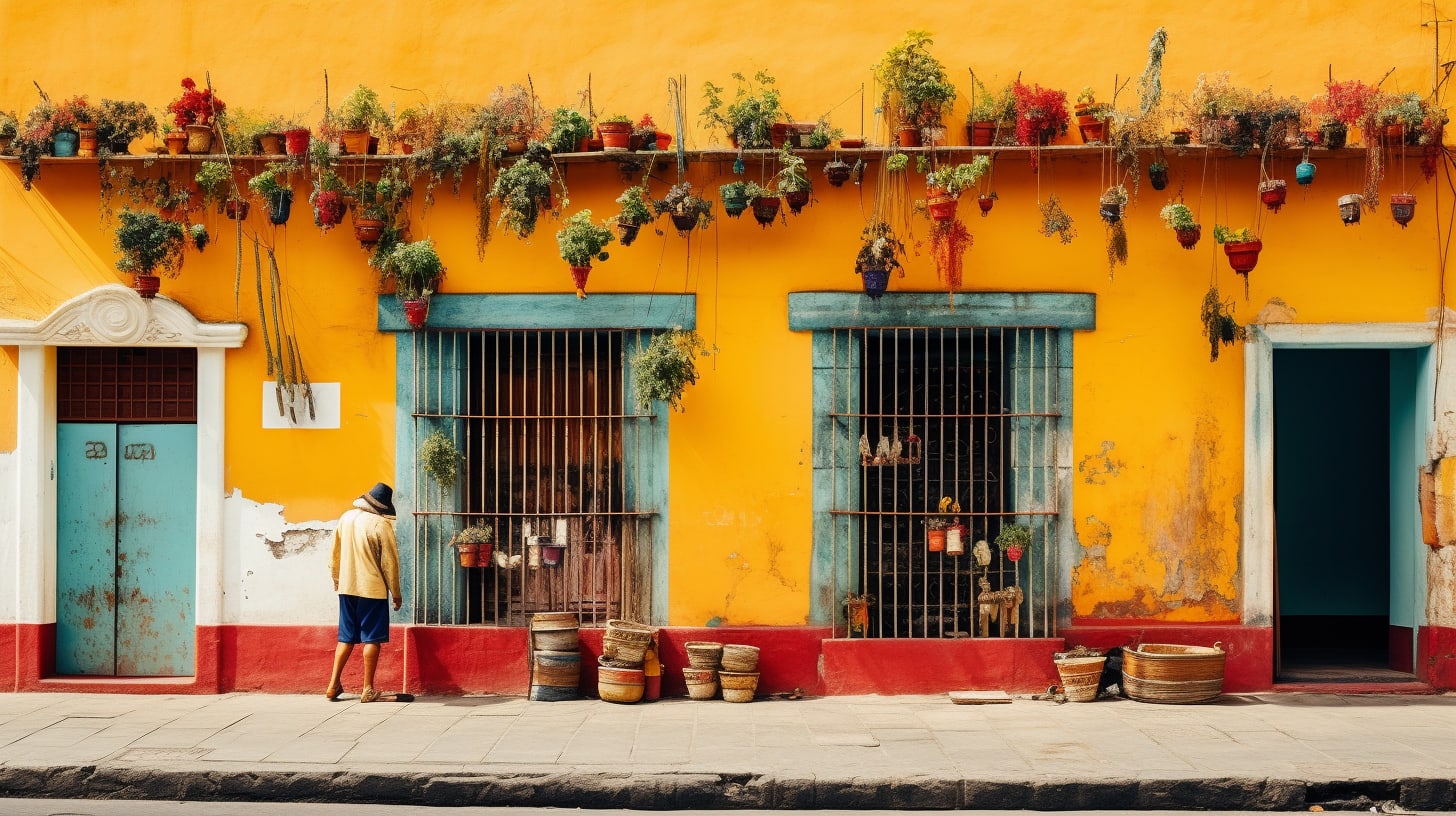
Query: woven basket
{"x": 556, "y": 669}
{"x": 563, "y": 639}
{"x": 1079, "y": 677}
{"x": 1168, "y": 673}
{"x": 633, "y": 652}
{"x": 617, "y": 664}
{"x": 738, "y": 687}
{"x": 740, "y": 658}
{"x": 702, "y": 683}
{"x": 620, "y": 685}
{"x": 629, "y": 631}
{"x": 704, "y": 654}
{"x": 554, "y": 620}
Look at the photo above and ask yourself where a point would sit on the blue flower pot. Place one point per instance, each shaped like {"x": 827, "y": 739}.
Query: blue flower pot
{"x": 1304, "y": 172}
{"x": 64, "y": 144}
{"x": 280, "y": 207}
{"x": 875, "y": 282}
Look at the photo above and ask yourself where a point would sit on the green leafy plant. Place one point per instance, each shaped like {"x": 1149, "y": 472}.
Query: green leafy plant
{"x": 197, "y": 233}
{"x": 915, "y": 85}
{"x": 1177, "y": 216}
{"x": 148, "y": 243}
{"x": 793, "y": 174}
{"x": 440, "y": 458}
{"x": 683, "y": 200}
{"x": 414, "y": 267}
{"x": 749, "y": 118}
{"x": 215, "y": 180}
{"x": 1013, "y": 535}
{"x": 636, "y": 206}
{"x": 362, "y": 110}
{"x": 1228, "y": 235}
{"x": 996, "y": 107}
{"x": 568, "y": 129}
{"x": 580, "y": 241}
{"x": 666, "y": 367}
{"x": 9, "y": 125}
{"x": 959, "y": 178}
{"x": 897, "y": 162}
{"x": 523, "y": 191}
{"x": 1056, "y": 221}
{"x": 474, "y": 534}
{"x": 879, "y": 248}
{"x": 271, "y": 180}
{"x": 1219, "y": 326}
{"x": 120, "y": 122}
{"x": 823, "y": 134}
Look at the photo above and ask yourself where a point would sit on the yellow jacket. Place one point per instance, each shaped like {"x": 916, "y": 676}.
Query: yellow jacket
{"x": 366, "y": 556}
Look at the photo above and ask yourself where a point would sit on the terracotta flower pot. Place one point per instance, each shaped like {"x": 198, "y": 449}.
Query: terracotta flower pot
{"x": 199, "y": 139}
{"x": 1243, "y": 255}
{"x": 935, "y": 540}
{"x": 578, "y": 277}
{"x": 778, "y": 134}
{"x": 368, "y": 230}
{"x": 469, "y": 554}
{"x": 664, "y": 140}
{"x": 416, "y": 312}
{"x": 982, "y": 134}
{"x": 296, "y": 141}
{"x": 146, "y": 285}
{"x": 876, "y": 280}
{"x": 1188, "y": 238}
{"x": 1402, "y": 208}
{"x": 615, "y": 136}
{"x": 908, "y": 136}
{"x": 236, "y": 209}
{"x": 356, "y": 142}
{"x": 270, "y": 144}
{"x": 86, "y": 141}
{"x": 942, "y": 206}
{"x": 176, "y": 141}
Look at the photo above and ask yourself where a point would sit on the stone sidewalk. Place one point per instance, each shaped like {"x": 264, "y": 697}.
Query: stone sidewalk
{"x": 1245, "y": 752}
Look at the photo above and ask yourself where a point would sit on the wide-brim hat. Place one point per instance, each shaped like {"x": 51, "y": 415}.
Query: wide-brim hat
{"x": 381, "y": 498}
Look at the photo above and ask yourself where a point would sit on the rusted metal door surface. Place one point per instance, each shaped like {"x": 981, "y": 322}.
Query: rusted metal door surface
{"x": 126, "y": 547}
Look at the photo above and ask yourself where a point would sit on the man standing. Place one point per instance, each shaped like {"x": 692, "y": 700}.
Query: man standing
{"x": 366, "y": 575}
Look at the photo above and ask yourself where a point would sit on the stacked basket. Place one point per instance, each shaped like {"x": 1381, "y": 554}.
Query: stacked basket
{"x": 701, "y": 673}
{"x": 738, "y": 677}
{"x": 1172, "y": 673}
{"x": 620, "y": 678}
{"x": 555, "y": 656}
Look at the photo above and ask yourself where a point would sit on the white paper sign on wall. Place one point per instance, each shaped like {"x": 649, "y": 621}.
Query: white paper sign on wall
{"x": 325, "y": 407}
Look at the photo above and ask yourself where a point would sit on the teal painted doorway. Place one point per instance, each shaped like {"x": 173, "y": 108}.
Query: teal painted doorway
{"x": 126, "y": 549}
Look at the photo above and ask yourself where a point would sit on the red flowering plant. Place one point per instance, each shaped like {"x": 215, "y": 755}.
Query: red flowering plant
{"x": 71, "y": 113}
{"x": 1041, "y": 113}
{"x": 646, "y": 130}
{"x": 195, "y": 107}
{"x": 949, "y": 241}
{"x": 1352, "y": 103}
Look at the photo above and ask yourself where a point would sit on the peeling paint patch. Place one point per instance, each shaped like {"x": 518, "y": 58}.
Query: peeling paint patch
{"x": 1099, "y": 468}
{"x": 1276, "y": 311}
{"x": 296, "y": 542}
{"x": 1098, "y": 536}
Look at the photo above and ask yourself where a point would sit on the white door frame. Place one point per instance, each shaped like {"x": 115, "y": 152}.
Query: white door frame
{"x": 111, "y": 315}
{"x": 1257, "y": 557}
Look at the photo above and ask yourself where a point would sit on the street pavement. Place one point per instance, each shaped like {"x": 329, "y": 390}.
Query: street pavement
{"x": 1282, "y": 751}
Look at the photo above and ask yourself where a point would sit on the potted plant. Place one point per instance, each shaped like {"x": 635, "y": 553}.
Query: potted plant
{"x": 523, "y": 191}
{"x": 666, "y": 366}
{"x": 1056, "y": 221}
{"x": 1273, "y": 193}
{"x": 415, "y": 269}
{"x": 616, "y": 133}
{"x": 440, "y": 458}
{"x": 194, "y": 112}
{"x": 1241, "y": 246}
{"x": 148, "y": 243}
{"x": 215, "y": 180}
{"x": 1219, "y": 326}
{"x": 580, "y": 241}
{"x": 1091, "y": 116}
{"x": 644, "y": 134}
{"x": 1014, "y": 540}
{"x": 271, "y": 185}
{"x": 792, "y": 181}
{"x": 838, "y": 172}
{"x": 992, "y": 118}
{"x": 685, "y": 207}
{"x": 1112, "y": 203}
{"x": 296, "y": 137}
{"x": 1402, "y": 208}
{"x": 636, "y": 211}
{"x": 916, "y": 91}
{"x": 1179, "y": 218}
{"x": 943, "y": 186}
{"x": 473, "y": 545}
{"x": 986, "y": 201}
{"x": 734, "y": 195}
{"x": 569, "y": 130}
{"x": 935, "y": 529}
{"x": 879, "y": 254}
{"x": 1350, "y": 208}
{"x": 949, "y": 241}
{"x": 120, "y": 122}
{"x": 327, "y": 199}
{"x": 765, "y": 203}
{"x": 1349, "y": 104}
{"x": 748, "y": 120}
{"x": 510, "y": 120}
{"x": 9, "y": 127}
{"x": 1041, "y": 113}
{"x": 1158, "y": 174}
{"x": 358, "y": 118}
{"x": 823, "y": 135}
{"x": 74, "y": 126}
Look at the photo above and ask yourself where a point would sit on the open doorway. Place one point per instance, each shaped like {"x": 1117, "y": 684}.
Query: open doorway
{"x": 1346, "y": 513}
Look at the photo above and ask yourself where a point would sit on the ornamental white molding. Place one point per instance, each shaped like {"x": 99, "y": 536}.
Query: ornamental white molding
{"x": 114, "y": 315}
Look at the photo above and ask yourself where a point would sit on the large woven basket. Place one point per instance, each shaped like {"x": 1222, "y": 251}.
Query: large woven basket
{"x": 740, "y": 658}
{"x": 628, "y": 631}
{"x": 620, "y": 685}
{"x": 704, "y": 654}
{"x": 702, "y": 683}
{"x": 1170, "y": 673}
{"x": 1079, "y": 677}
{"x": 631, "y": 651}
{"x": 737, "y": 687}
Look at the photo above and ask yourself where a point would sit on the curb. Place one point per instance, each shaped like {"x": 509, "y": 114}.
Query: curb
{"x": 686, "y": 791}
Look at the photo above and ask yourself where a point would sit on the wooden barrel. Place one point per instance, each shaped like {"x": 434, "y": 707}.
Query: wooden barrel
{"x": 1169, "y": 673}
{"x": 555, "y": 675}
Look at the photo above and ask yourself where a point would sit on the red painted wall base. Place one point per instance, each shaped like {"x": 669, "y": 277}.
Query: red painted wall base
{"x": 492, "y": 660}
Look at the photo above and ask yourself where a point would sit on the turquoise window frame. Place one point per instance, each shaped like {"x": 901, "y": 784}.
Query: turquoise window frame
{"x": 836, "y": 468}
{"x": 639, "y": 316}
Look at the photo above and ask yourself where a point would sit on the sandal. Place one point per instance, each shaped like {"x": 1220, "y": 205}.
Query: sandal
{"x": 369, "y": 695}
{"x": 332, "y": 693}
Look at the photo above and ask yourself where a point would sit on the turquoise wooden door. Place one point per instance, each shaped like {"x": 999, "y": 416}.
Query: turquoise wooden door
{"x": 127, "y": 549}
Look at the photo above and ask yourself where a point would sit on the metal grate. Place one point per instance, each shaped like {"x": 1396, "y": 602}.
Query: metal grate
{"x": 965, "y": 413}
{"x": 111, "y": 384}
{"x": 539, "y": 419}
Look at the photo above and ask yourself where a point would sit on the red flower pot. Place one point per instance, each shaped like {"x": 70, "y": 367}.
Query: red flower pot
{"x": 237, "y": 210}
{"x": 146, "y": 285}
{"x": 935, "y": 540}
{"x": 1013, "y": 553}
{"x": 797, "y": 200}
{"x": 615, "y": 135}
{"x": 909, "y": 136}
{"x": 942, "y": 206}
{"x": 176, "y": 142}
{"x": 296, "y": 141}
{"x": 578, "y": 277}
{"x": 985, "y": 202}
{"x": 778, "y": 134}
{"x": 1243, "y": 256}
{"x": 368, "y": 230}
{"x": 664, "y": 140}
{"x": 765, "y": 209}
{"x": 1273, "y": 193}
{"x": 982, "y": 134}
{"x": 416, "y": 312}
{"x": 1188, "y": 238}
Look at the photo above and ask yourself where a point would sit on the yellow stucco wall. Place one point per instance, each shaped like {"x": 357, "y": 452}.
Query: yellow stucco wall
{"x": 1157, "y": 453}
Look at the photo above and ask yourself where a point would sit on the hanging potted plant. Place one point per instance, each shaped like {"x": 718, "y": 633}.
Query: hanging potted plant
{"x": 1179, "y": 218}
{"x": 879, "y": 254}
{"x": 415, "y": 269}
{"x": 580, "y": 241}
{"x": 215, "y": 181}
{"x": 193, "y": 112}
{"x": 748, "y": 120}
{"x": 1014, "y": 540}
{"x": 686, "y": 208}
{"x": 359, "y": 118}
{"x": 838, "y": 172}
{"x": 1219, "y": 326}
{"x": 440, "y": 458}
{"x": 328, "y": 201}
{"x": 1403, "y": 208}
{"x": 1158, "y": 174}
{"x": 765, "y": 204}
{"x": 634, "y": 213}
{"x": 735, "y": 197}
{"x": 1350, "y": 208}
{"x": 792, "y": 181}
{"x": 148, "y": 243}
{"x": 986, "y": 201}
{"x": 917, "y": 93}
{"x": 943, "y": 186}
{"x": 1112, "y": 203}
{"x": 1056, "y": 221}
{"x": 1304, "y": 172}
{"x": 1241, "y": 246}
{"x": 271, "y": 185}
{"x": 665, "y": 367}
{"x": 473, "y": 545}
{"x": 523, "y": 191}
{"x": 949, "y": 241}
{"x": 1273, "y": 193}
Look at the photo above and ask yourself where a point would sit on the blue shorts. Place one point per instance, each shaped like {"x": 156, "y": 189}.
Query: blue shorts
{"x": 363, "y": 620}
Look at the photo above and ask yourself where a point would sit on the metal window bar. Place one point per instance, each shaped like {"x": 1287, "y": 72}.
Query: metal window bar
{"x": 966, "y": 413}
{"x": 538, "y": 417}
